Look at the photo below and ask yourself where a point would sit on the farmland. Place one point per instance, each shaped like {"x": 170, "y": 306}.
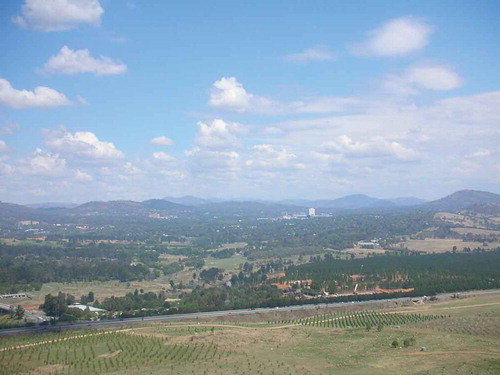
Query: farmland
{"x": 461, "y": 336}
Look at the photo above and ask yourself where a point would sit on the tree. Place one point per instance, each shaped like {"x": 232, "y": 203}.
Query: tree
{"x": 369, "y": 327}
{"x": 395, "y": 344}
{"x": 380, "y": 327}
{"x": 57, "y": 305}
{"x": 19, "y": 313}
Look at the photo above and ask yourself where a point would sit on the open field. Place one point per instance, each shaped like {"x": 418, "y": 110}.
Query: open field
{"x": 438, "y": 245}
{"x": 359, "y": 252}
{"x": 101, "y": 289}
{"x": 12, "y": 241}
{"x": 232, "y": 245}
{"x": 461, "y": 336}
{"x": 228, "y": 264}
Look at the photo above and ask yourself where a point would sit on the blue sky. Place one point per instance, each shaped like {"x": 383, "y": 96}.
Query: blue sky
{"x": 138, "y": 99}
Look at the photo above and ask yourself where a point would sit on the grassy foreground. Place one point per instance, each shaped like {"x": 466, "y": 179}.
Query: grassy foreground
{"x": 461, "y": 337}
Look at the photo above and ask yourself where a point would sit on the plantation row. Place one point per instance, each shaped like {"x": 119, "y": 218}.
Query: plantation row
{"x": 101, "y": 354}
{"x": 361, "y": 319}
{"x": 129, "y": 353}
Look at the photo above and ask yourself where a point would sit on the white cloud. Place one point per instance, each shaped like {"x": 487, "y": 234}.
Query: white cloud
{"x": 272, "y": 130}
{"x": 422, "y": 77}
{"x": 324, "y": 105}
{"x": 3, "y": 146}
{"x": 81, "y": 100}
{"x": 162, "y": 141}
{"x": 229, "y": 94}
{"x": 82, "y": 145}
{"x": 69, "y": 61}
{"x": 433, "y": 77}
{"x": 480, "y": 154}
{"x": 316, "y": 53}
{"x": 39, "y": 97}
{"x": 397, "y": 37}
{"x": 58, "y": 15}
{"x": 5, "y": 169}
{"x": 272, "y": 157}
{"x": 218, "y": 134}
{"x": 43, "y": 163}
{"x": 8, "y": 128}
{"x": 213, "y": 163}
{"x": 377, "y": 147}
{"x": 129, "y": 169}
{"x": 162, "y": 157}
{"x": 82, "y": 176}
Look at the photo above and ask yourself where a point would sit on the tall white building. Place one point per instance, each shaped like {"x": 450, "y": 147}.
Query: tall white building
{"x": 312, "y": 212}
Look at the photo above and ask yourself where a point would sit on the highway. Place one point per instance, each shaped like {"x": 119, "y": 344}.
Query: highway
{"x": 212, "y": 314}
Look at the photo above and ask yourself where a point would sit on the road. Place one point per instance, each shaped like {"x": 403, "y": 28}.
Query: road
{"x": 211, "y": 314}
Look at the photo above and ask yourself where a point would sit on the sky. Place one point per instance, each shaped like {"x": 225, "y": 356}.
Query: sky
{"x": 141, "y": 99}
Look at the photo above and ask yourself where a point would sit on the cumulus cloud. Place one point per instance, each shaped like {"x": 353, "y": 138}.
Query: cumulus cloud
{"x": 3, "y": 146}
{"x": 43, "y": 163}
{"x": 82, "y": 176}
{"x": 397, "y": 37}
{"x": 229, "y": 95}
{"x": 5, "y": 168}
{"x": 58, "y": 15}
{"x": 162, "y": 141}
{"x": 422, "y": 77}
{"x": 314, "y": 54}
{"x": 272, "y": 157}
{"x": 377, "y": 147}
{"x": 82, "y": 145}
{"x": 213, "y": 163}
{"x": 218, "y": 134}
{"x": 69, "y": 61}
{"x": 44, "y": 97}
{"x": 162, "y": 157}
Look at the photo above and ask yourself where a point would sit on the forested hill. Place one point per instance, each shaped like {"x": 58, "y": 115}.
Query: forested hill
{"x": 463, "y": 199}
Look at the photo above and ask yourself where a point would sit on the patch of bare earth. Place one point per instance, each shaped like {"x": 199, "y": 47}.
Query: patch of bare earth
{"x": 111, "y": 355}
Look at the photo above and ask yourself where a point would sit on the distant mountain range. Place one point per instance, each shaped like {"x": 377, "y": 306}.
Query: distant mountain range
{"x": 193, "y": 206}
{"x": 356, "y": 201}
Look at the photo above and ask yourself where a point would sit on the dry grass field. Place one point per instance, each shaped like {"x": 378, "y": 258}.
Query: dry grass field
{"x": 462, "y": 338}
{"x": 482, "y": 232}
{"x": 438, "y": 245}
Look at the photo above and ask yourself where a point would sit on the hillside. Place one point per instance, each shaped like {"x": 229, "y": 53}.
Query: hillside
{"x": 463, "y": 199}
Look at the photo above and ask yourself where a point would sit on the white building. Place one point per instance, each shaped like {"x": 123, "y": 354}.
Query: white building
{"x": 312, "y": 212}
{"x": 84, "y": 307}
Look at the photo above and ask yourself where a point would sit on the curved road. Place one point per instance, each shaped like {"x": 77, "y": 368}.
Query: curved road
{"x": 211, "y": 314}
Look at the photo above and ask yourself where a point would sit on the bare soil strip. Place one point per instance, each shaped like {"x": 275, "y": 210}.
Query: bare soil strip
{"x": 61, "y": 340}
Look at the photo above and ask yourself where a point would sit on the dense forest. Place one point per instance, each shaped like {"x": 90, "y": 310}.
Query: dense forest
{"x": 26, "y": 267}
{"x": 428, "y": 274}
